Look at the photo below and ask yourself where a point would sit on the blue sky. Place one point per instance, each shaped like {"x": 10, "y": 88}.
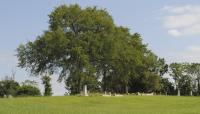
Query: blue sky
{"x": 170, "y": 28}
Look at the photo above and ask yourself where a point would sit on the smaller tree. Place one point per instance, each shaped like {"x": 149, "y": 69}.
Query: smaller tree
{"x": 177, "y": 71}
{"x": 8, "y": 86}
{"x": 194, "y": 71}
{"x": 167, "y": 87}
{"x": 47, "y": 85}
{"x": 185, "y": 85}
{"x": 28, "y": 90}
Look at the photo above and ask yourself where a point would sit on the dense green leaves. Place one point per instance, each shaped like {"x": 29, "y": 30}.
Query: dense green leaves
{"x": 84, "y": 46}
{"x": 46, "y": 81}
{"x": 8, "y": 87}
{"x": 186, "y": 77}
{"x": 28, "y": 90}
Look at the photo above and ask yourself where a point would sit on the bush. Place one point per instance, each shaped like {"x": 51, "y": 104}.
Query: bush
{"x": 28, "y": 90}
{"x": 8, "y": 87}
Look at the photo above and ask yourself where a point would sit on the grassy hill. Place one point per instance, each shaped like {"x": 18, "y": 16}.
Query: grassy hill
{"x": 101, "y": 105}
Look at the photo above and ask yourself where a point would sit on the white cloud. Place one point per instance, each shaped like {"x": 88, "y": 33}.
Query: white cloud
{"x": 174, "y": 32}
{"x": 182, "y": 9}
{"x": 182, "y": 20}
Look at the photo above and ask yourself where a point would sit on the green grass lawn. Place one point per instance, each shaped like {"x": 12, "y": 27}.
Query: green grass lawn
{"x": 101, "y": 105}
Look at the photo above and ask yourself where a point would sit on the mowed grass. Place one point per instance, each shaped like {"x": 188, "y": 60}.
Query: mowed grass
{"x": 101, "y": 105}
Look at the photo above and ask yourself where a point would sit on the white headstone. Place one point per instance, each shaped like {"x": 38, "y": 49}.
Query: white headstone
{"x": 191, "y": 93}
{"x": 85, "y": 93}
{"x": 178, "y": 92}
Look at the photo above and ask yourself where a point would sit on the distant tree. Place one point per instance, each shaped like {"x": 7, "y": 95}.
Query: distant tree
{"x": 28, "y": 90}
{"x": 146, "y": 77}
{"x": 185, "y": 85}
{"x": 177, "y": 71}
{"x": 8, "y": 86}
{"x": 194, "y": 71}
{"x": 30, "y": 82}
{"x": 186, "y": 77}
{"x": 160, "y": 68}
{"x": 189, "y": 79}
{"x": 46, "y": 81}
{"x": 167, "y": 87}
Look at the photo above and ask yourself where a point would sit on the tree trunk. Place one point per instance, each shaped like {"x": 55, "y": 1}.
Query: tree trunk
{"x": 79, "y": 86}
{"x": 126, "y": 89}
{"x": 104, "y": 80}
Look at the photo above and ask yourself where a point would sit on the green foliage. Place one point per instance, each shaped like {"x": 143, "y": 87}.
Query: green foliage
{"x": 193, "y": 70}
{"x": 8, "y": 87}
{"x": 84, "y": 46}
{"x": 161, "y": 67}
{"x": 47, "y": 85}
{"x": 177, "y": 71}
{"x": 148, "y": 82}
{"x": 185, "y": 85}
{"x": 28, "y": 90}
{"x": 186, "y": 76}
{"x": 167, "y": 87}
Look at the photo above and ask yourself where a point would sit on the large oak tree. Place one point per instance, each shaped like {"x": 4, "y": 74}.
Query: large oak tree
{"x": 84, "y": 46}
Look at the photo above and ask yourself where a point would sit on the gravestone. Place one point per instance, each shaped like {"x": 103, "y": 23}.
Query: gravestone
{"x": 4, "y": 96}
{"x": 85, "y": 92}
{"x": 179, "y": 92}
{"x": 191, "y": 94}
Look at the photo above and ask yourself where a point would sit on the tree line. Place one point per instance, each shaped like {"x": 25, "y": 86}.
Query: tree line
{"x": 9, "y": 87}
{"x": 186, "y": 78}
{"x": 83, "y": 46}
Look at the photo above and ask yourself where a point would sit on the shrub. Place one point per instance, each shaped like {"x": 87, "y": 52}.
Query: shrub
{"x": 28, "y": 90}
{"x": 8, "y": 87}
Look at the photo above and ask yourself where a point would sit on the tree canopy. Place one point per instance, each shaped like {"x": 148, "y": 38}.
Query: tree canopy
{"x": 85, "y": 46}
